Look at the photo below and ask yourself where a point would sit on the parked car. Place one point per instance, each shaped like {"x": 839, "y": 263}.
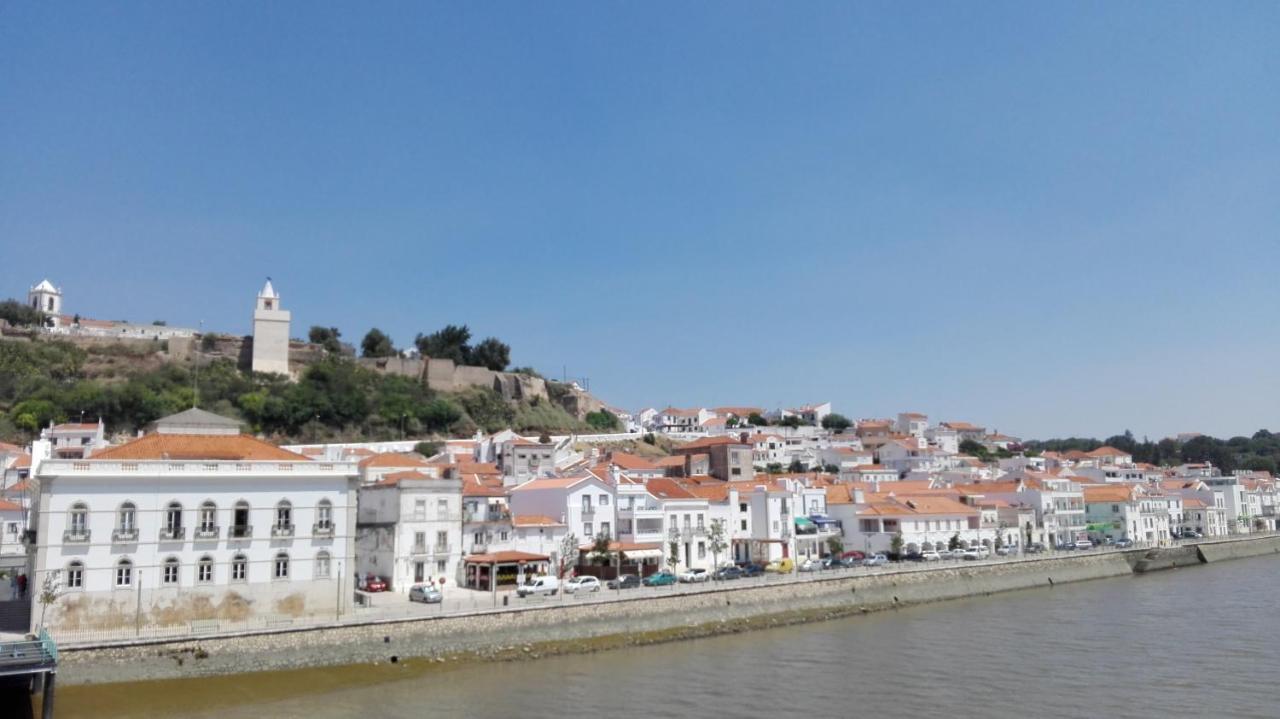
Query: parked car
{"x": 539, "y": 585}
{"x": 913, "y": 557}
{"x": 660, "y": 579}
{"x": 1035, "y": 548}
{"x": 837, "y": 563}
{"x": 582, "y": 584}
{"x": 854, "y": 554}
{"x": 1191, "y": 534}
{"x": 725, "y": 573}
{"x": 780, "y": 566}
{"x": 971, "y": 554}
{"x": 751, "y": 570}
{"x": 1122, "y": 543}
{"x": 877, "y": 560}
{"x": 371, "y": 583}
{"x": 693, "y": 576}
{"x": 1005, "y": 550}
{"x": 626, "y": 581}
{"x": 930, "y": 556}
{"x": 425, "y": 593}
{"x": 808, "y": 565}
{"x": 1084, "y": 544}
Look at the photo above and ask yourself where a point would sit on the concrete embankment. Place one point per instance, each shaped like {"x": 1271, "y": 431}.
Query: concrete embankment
{"x": 1238, "y": 548}
{"x": 568, "y": 628}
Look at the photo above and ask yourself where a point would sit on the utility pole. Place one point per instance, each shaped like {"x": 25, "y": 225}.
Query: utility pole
{"x": 137, "y": 612}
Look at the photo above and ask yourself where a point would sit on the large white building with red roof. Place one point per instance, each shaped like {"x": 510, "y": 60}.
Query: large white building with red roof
{"x": 194, "y": 524}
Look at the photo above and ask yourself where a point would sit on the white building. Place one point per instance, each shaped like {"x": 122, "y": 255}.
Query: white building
{"x": 46, "y": 298}
{"x": 583, "y": 502}
{"x": 73, "y": 440}
{"x": 270, "y": 333}
{"x": 409, "y": 529}
{"x": 193, "y": 522}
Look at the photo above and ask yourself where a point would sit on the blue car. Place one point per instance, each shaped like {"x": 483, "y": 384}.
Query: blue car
{"x": 661, "y": 579}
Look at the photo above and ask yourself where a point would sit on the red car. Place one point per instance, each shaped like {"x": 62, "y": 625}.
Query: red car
{"x": 374, "y": 584}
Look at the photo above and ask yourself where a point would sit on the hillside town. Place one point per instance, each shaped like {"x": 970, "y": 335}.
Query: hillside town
{"x": 195, "y": 521}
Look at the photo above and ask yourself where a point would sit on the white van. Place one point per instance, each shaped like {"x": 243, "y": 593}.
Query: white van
{"x": 539, "y": 585}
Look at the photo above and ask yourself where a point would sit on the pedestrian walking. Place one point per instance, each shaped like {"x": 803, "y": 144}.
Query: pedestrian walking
{"x": 22, "y": 586}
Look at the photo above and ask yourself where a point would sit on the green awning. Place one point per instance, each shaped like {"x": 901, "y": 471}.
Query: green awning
{"x": 804, "y": 522}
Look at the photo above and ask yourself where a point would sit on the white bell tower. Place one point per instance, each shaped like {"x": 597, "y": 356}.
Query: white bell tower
{"x": 46, "y": 298}
{"x": 270, "y": 333}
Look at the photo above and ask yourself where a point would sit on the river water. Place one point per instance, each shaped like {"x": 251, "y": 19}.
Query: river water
{"x": 1196, "y": 642}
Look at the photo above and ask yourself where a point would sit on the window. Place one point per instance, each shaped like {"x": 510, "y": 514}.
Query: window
{"x": 284, "y": 514}
{"x": 700, "y": 521}
{"x": 442, "y": 541}
{"x": 324, "y": 515}
{"x": 604, "y": 500}
{"x": 282, "y": 566}
{"x": 442, "y": 508}
{"x": 742, "y": 506}
{"x": 420, "y": 509}
{"x": 239, "y": 568}
{"x": 744, "y": 525}
{"x": 204, "y": 570}
{"x": 604, "y": 529}
{"x": 419, "y": 542}
{"x": 208, "y": 517}
{"x": 79, "y": 519}
{"x": 440, "y": 566}
{"x": 322, "y": 565}
{"x": 687, "y": 520}
{"x": 240, "y": 520}
{"x": 124, "y": 573}
{"x": 586, "y": 529}
{"x": 503, "y": 535}
{"x": 75, "y": 575}
{"x": 170, "y": 575}
{"x": 586, "y": 503}
{"x": 735, "y": 471}
{"x": 127, "y": 518}
{"x": 172, "y": 521}
{"x": 702, "y": 550}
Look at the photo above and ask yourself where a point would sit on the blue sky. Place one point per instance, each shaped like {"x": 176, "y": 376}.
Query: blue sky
{"x": 1050, "y": 219}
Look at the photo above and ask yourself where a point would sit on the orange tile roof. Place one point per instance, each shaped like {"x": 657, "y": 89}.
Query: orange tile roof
{"x": 392, "y": 479}
{"x": 1108, "y": 493}
{"x": 7, "y": 506}
{"x": 1108, "y": 451}
{"x": 884, "y": 505}
{"x": 552, "y": 483}
{"x": 393, "y": 459}
{"x": 717, "y": 492}
{"x": 507, "y": 557}
{"x": 630, "y": 461}
{"x": 198, "y": 446}
{"x": 672, "y": 461}
{"x": 535, "y": 520}
{"x": 22, "y": 462}
{"x": 707, "y": 442}
{"x": 667, "y": 489}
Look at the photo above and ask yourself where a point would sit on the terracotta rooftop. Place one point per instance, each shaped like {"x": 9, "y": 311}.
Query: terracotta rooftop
{"x": 198, "y": 446}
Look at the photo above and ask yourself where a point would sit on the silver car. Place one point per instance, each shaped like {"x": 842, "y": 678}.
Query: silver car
{"x": 425, "y": 594}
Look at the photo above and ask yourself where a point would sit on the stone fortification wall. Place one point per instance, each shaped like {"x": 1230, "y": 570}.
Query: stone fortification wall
{"x": 1238, "y": 548}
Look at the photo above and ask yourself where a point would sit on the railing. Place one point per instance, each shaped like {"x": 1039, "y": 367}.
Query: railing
{"x": 443, "y": 549}
{"x": 241, "y": 531}
{"x": 172, "y": 534}
{"x": 419, "y": 549}
{"x": 282, "y": 530}
{"x": 124, "y": 535}
{"x": 588, "y": 512}
{"x": 29, "y": 655}
{"x": 102, "y": 467}
{"x": 75, "y": 536}
{"x": 207, "y": 532}
{"x": 322, "y": 529}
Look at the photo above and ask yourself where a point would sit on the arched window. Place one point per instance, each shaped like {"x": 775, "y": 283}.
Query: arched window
{"x": 322, "y": 565}
{"x": 78, "y": 523}
{"x": 282, "y": 565}
{"x": 124, "y": 573}
{"x": 240, "y": 520}
{"x": 172, "y": 521}
{"x": 75, "y": 575}
{"x": 170, "y": 574}
{"x": 128, "y": 518}
{"x": 324, "y": 516}
{"x": 239, "y": 568}
{"x": 284, "y": 514}
{"x": 208, "y": 525}
{"x": 204, "y": 570}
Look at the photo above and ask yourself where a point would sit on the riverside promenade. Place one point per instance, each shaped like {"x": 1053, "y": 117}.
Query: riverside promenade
{"x": 608, "y": 620}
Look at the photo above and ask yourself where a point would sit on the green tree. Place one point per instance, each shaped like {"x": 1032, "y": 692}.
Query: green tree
{"x": 490, "y": 353}
{"x": 716, "y": 541}
{"x": 603, "y": 421}
{"x": 797, "y": 466}
{"x": 954, "y": 543}
{"x": 732, "y": 422}
{"x": 835, "y": 547}
{"x": 568, "y": 554}
{"x": 790, "y": 421}
{"x": 20, "y": 315}
{"x": 649, "y": 439}
{"x": 327, "y": 337}
{"x": 773, "y": 468}
{"x": 448, "y": 343}
{"x": 755, "y": 419}
{"x": 377, "y": 344}
{"x": 836, "y": 422}
{"x": 673, "y": 554}
{"x": 895, "y": 545}
{"x": 974, "y": 449}
{"x": 600, "y": 550}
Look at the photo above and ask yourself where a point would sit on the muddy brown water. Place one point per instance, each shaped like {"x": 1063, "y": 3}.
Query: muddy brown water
{"x": 1193, "y": 642}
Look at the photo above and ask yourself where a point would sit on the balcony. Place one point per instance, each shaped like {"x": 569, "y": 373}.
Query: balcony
{"x": 322, "y": 529}
{"x": 282, "y": 530}
{"x": 75, "y": 536}
{"x": 173, "y": 534}
{"x": 443, "y": 549}
{"x": 588, "y": 513}
{"x": 241, "y": 531}
{"x": 502, "y": 515}
{"x": 207, "y": 532}
{"x": 124, "y": 535}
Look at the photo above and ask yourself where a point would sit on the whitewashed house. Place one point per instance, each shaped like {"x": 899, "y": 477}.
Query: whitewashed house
{"x": 409, "y": 529}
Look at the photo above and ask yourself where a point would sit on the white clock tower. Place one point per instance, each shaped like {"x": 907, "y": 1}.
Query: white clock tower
{"x": 270, "y": 333}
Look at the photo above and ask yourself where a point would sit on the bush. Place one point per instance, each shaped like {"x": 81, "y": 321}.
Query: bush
{"x": 428, "y": 449}
{"x": 603, "y": 421}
